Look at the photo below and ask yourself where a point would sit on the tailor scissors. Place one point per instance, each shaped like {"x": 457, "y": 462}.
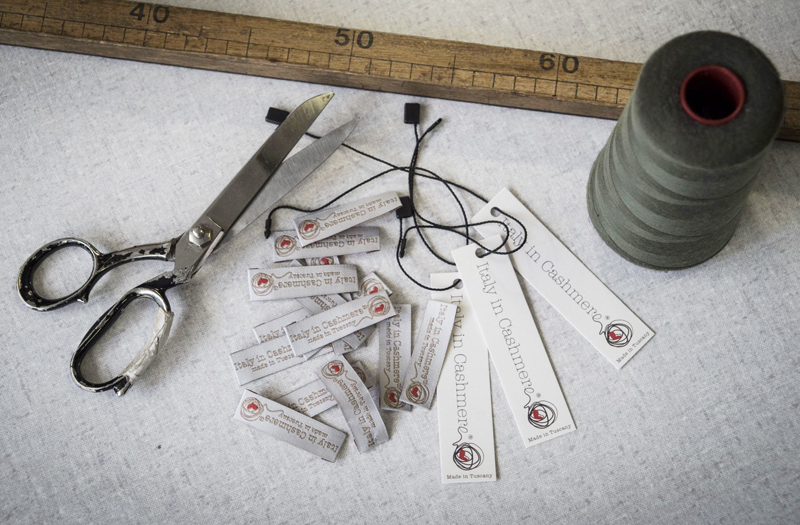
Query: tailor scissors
{"x": 240, "y": 202}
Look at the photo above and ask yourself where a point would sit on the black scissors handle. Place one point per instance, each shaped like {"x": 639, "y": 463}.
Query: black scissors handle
{"x": 101, "y": 263}
{"x": 154, "y": 290}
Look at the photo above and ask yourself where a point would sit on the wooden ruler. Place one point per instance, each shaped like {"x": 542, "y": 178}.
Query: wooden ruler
{"x": 341, "y": 56}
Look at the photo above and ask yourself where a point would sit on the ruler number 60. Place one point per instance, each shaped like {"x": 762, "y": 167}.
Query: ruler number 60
{"x": 363, "y": 40}
{"x": 568, "y": 65}
{"x": 160, "y": 13}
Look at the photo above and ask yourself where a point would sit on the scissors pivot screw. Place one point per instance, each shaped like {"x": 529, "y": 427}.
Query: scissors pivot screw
{"x": 200, "y": 235}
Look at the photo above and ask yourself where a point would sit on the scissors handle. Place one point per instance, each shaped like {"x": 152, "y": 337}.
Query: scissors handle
{"x": 155, "y": 290}
{"x": 101, "y": 263}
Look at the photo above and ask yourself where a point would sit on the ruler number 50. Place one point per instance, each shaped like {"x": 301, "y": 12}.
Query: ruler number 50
{"x": 363, "y": 40}
{"x": 160, "y": 13}
{"x": 568, "y": 65}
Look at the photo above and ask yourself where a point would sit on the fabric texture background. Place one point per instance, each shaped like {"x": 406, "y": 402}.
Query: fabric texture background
{"x": 700, "y": 427}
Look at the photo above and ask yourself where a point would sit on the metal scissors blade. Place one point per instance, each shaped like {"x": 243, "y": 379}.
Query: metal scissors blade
{"x": 199, "y": 241}
{"x": 292, "y": 172}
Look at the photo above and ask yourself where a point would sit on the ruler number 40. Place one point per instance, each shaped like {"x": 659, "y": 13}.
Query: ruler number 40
{"x": 363, "y": 40}
{"x": 160, "y": 13}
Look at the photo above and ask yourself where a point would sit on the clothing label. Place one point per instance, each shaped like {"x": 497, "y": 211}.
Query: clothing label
{"x": 286, "y": 245}
{"x": 514, "y": 343}
{"x": 267, "y": 284}
{"x": 372, "y": 284}
{"x": 270, "y": 330}
{"x": 568, "y": 285}
{"x": 313, "y": 227}
{"x": 394, "y": 342}
{"x": 290, "y": 426}
{"x": 326, "y": 327}
{"x": 361, "y": 372}
{"x": 322, "y": 303}
{"x": 466, "y": 429}
{"x": 360, "y": 412}
{"x": 427, "y": 357}
{"x": 310, "y": 399}
{"x": 322, "y": 261}
{"x": 264, "y": 359}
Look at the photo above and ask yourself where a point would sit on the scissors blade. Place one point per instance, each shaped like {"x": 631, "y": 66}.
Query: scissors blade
{"x": 199, "y": 241}
{"x": 292, "y": 172}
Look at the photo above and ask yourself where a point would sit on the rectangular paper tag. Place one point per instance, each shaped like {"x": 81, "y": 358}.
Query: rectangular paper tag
{"x": 466, "y": 429}
{"x": 514, "y": 343}
{"x": 273, "y": 329}
{"x": 267, "y": 284}
{"x": 316, "y": 226}
{"x": 310, "y": 399}
{"x": 290, "y": 426}
{"x": 372, "y": 284}
{"x": 427, "y": 356}
{"x": 360, "y": 412}
{"x": 568, "y": 285}
{"x": 326, "y": 327}
{"x": 264, "y": 359}
{"x": 286, "y": 245}
{"x": 394, "y": 342}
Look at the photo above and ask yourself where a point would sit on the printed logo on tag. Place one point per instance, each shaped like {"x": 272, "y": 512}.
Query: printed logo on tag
{"x": 575, "y": 292}
{"x": 371, "y": 285}
{"x": 514, "y": 344}
{"x": 286, "y": 245}
{"x": 466, "y": 429}
{"x": 303, "y": 281}
{"x": 320, "y": 225}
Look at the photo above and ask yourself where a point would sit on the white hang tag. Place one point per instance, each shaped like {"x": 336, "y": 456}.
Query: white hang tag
{"x": 360, "y": 412}
{"x": 323, "y": 224}
{"x": 310, "y": 399}
{"x": 273, "y": 329}
{"x": 361, "y": 372}
{"x": 327, "y": 260}
{"x": 427, "y": 356}
{"x": 466, "y": 429}
{"x": 268, "y": 284}
{"x": 372, "y": 284}
{"x": 264, "y": 359}
{"x": 394, "y": 343}
{"x": 286, "y": 245}
{"x": 326, "y": 327}
{"x": 610, "y": 326}
{"x": 288, "y": 425}
{"x": 514, "y": 343}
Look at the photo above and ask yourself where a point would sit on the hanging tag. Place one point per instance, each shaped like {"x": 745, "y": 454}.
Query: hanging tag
{"x": 466, "y": 428}
{"x": 427, "y": 357}
{"x": 322, "y": 261}
{"x": 361, "y": 372}
{"x": 322, "y": 224}
{"x": 514, "y": 343}
{"x": 394, "y": 341}
{"x": 286, "y": 245}
{"x": 360, "y": 412}
{"x": 577, "y": 294}
{"x": 310, "y": 399}
{"x": 267, "y": 284}
{"x": 326, "y": 327}
{"x": 372, "y": 284}
{"x": 270, "y": 330}
{"x": 290, "y": 426}
{"x": 263, "y": 359}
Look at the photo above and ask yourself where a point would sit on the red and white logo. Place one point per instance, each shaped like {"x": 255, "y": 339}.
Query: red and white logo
{"x": 542, "y": 414}
{"x": 262, "y": 283}
{"x": 371, "y": 287}
{"x": 308, "y": 229}
{"x": 392, "y": 398}
{"x": 417, "y": 393}
{"x": 285, "y": 244}
{"x": 468, "y": 456}
{"x": 251, "y": 408}
{"x": 618, "y": 334}
{"x": 378, "y": 306}
{"x": 333, "y": 369}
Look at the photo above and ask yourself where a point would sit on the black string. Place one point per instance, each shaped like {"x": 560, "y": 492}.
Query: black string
{"x": 413, "y": 171}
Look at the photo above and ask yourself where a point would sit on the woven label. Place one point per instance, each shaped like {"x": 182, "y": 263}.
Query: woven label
{"x": 322, "y": 303}
{"x": 394, "y": 343}
{"x": 268, "y": 284}
{"x": 361, "y": 372}
{"x": 273, "y": 329}
{"x": 288, "y": 425}
{"x": 322, "y": 261}
{"x": 427, "y": 356}
{"x": 360, "y": 412}
{"x": 326, "y": 327}
{"x": 286, "y": 245}
{"x": 372, "y": 284}
{"x": 514, "y": 343}
{"x": 310, "y": 399}
{"x": 464, "y": 395}
{"x": 316, "y": 226}
{"x": 610, "y": 326}
{"x": 264, "y": 359}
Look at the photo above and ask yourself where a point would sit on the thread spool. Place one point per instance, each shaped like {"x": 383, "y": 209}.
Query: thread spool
{"x": 668, "y": 188}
